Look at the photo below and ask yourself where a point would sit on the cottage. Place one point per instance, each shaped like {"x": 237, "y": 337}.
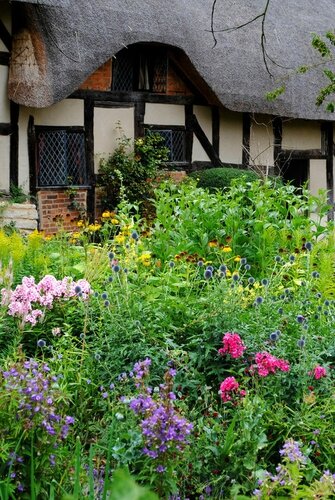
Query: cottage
{"x": 73, "y": 72}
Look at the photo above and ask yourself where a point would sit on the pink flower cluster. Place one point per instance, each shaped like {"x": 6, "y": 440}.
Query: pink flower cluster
{"x": 233, "y": 345}
{"x": 267, "y": 363}
{"x": 26, "y": 300}
{"x": 228, "y": 388}
{"x": 318, "y": 372}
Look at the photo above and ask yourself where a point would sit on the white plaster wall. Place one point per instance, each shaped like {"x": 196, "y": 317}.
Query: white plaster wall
{"x": 5, "y": 16}
{"x": 64, "y": 113}
{"x": 317, "y": 175}
{"x": 301, "y": 134}
{"x": 107, "y": 131}
{"x": 23, "y": 149}
{"x": 261, "y": 141}
{"x": 231, "y": 137}
{"x": 204, "y": 117}
{"x": 4, "y": 162}
{"x": 164, "y": 114}
{"x": 4, "y": 102}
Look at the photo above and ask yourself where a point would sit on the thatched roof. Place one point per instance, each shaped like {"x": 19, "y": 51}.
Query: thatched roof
{"x": 69, "y": 40}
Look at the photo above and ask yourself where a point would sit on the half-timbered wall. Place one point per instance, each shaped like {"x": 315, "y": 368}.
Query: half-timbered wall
{"x": 110, "y": 125}
{"x": 5, "y": 116}
{"x": 231, "y": 137}
{"x": 261, "y": 143}
{"x": 301, "y": 134}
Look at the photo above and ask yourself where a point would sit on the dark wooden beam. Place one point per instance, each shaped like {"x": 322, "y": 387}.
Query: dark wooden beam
{"x": 5, "y": 129}
{"x": 246, "y": 140}
{"x": 139, "y": 113}
{"x": 302, "y": 154}
{"x": 205, "y": 143}
{"x": 5, "y": 36}
{"x": 216, "y": 129}
{"x": 89, "y": 149}
{"x": 132, "y": 97}
{"x": 4, "y": 58}
{"x": 32, "y": 156}
{"x": 188, "y": 133}
{"x": 14, "y": 144}
{"x": 328, "y": 148}
{"x": 277, "y": 127}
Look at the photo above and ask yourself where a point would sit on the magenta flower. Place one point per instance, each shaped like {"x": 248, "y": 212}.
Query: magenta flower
{"x": 228, "y": 388}
{"x": 318, "y": 372}
{"x": 266, "y": 363}
{"x": 233, "y": 345}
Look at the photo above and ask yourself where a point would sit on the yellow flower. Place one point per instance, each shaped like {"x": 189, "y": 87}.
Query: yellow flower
{"x": 213, "y": 243}
{"x": 94, "y": 227}
{"x": 106, "y": 214}
{"x": 237, "y": 258}
{"x": 80, "y": 223}
{"x": 226, "y": 249}
{"x": 228, "y": 273}
{"x": 114, "y": 221}
{"x": 48, "y": 237}
{"x": 119, "y": 238}
{"x": 75, "y": 235}
{"x": 144, "y": 258}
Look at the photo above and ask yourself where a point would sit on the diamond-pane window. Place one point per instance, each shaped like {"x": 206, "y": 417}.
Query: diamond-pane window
{"x": 61, "y": 157}
{"x": 140, "y": 67}
{"x": 174, "y": 140}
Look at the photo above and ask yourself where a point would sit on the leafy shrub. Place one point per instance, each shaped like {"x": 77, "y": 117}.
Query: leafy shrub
{"x": 221, "y": 178}
{"x": 130, "y": 169}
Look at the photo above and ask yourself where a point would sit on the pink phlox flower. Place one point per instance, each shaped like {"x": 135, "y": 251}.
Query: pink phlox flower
{"x": 233, "y": 345}
{"x": 33, "y": 316}
{"x": 267, "y": 363}
{"x": 318, "y": 372}
{"x": 228, "y": 386}
{"x": 28, "y": 294}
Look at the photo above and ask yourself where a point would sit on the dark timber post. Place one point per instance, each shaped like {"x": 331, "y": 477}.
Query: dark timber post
{"x": 139, "y": 119}
{"x": 89, "y": 145}
{"x": 328, "y": 149}
{"x": 277, "y": 126}
{"x": 216, "y": 129}
{"x": 246, "y": 140}
{"x": 188, "y": 134}
{"x": 14, "y": 144}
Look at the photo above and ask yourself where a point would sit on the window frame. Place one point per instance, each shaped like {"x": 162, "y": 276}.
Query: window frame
{"x": 68, "y": 129}
{"x": 178, "y": 128}
{"x": 135, "y": 54}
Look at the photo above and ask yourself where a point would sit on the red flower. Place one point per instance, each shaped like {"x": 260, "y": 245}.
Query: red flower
{"x": 318, "y": 372}
{"x": 233, "y": 345}
{"x": 267, "y": 363}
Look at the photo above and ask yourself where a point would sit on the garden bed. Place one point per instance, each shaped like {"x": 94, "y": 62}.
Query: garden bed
{"x": 194, "y": 355}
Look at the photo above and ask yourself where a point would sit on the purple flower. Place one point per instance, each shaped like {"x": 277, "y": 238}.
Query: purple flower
{"x": 160, "y": 469}
{"x": 291, "y": 450}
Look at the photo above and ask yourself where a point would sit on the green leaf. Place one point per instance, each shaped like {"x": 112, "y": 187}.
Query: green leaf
{"x": 124, "y": 487}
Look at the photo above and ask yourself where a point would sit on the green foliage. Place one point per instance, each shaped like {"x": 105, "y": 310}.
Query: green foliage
{"x": 325, "y": 48}
{"x": 17, "y": 194}
{"x": 221, "y": 178}
{"x": 130, "y": 170}
{"x": 271, "y": 257}
{"x": 271, "y": 96}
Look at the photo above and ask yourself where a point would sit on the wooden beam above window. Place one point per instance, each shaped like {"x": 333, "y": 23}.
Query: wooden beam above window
{"x": 133, "y": 97}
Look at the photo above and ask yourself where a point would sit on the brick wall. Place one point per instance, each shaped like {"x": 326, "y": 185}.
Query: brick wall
{"x": 175, "y": 85}
{"x": 57, "y": 210}
{"x": 101, "y": 79}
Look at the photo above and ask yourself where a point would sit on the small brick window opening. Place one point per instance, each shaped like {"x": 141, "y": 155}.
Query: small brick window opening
{"x": 60, "y": 157}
